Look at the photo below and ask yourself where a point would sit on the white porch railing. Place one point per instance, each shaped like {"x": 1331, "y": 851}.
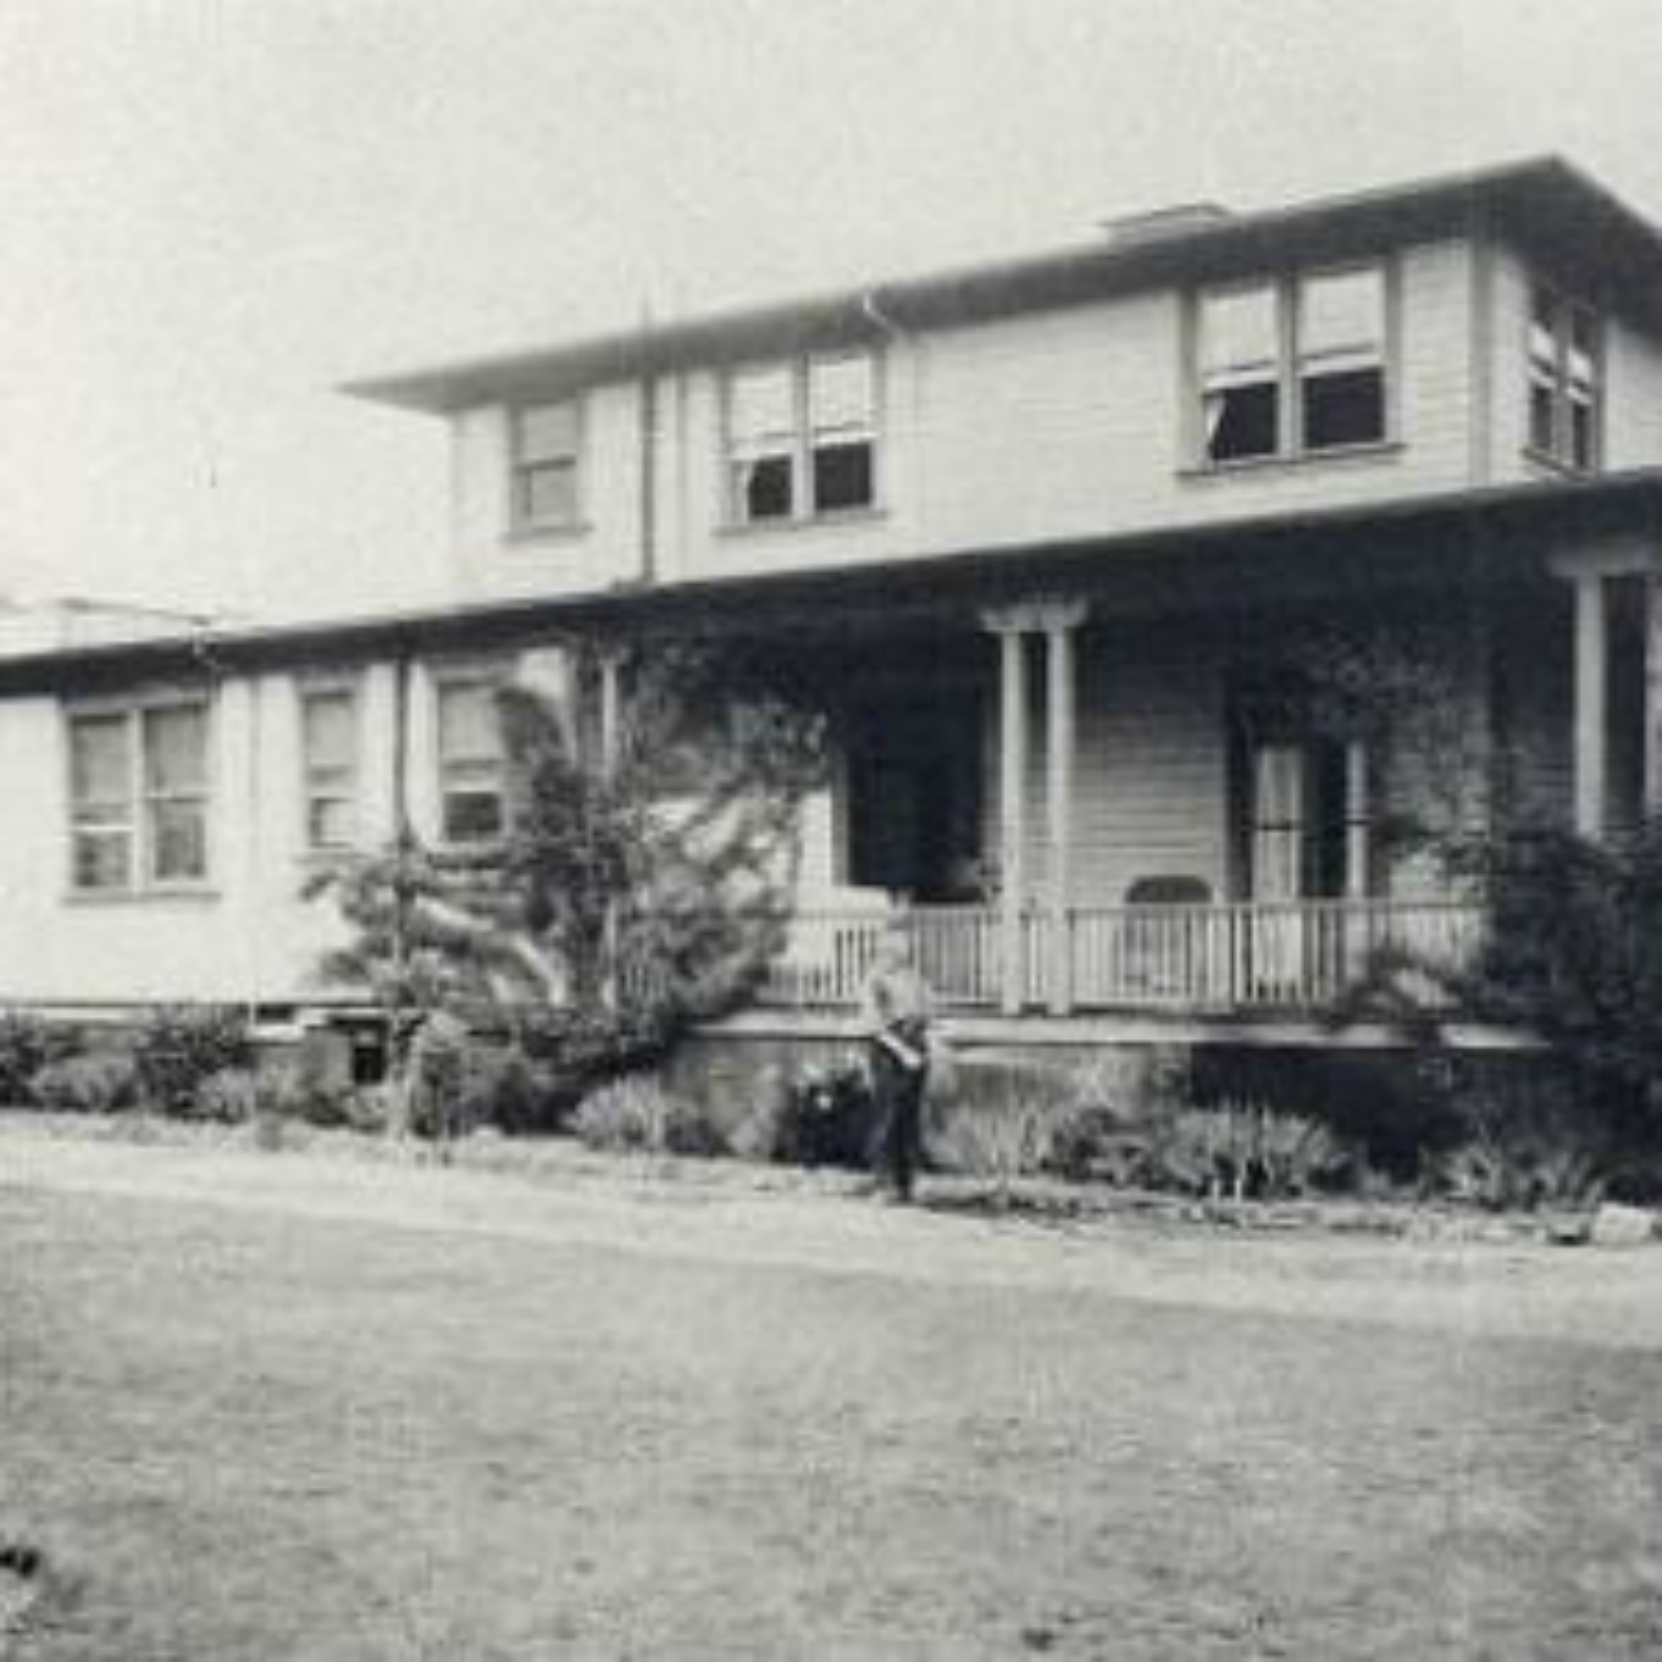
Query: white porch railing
{"x": 1293, "y": 955}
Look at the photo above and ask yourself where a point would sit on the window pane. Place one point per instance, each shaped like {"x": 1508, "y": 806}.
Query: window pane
{"x": 468, "y": 722}
{"x": 548, "y": 494}
{"x": 329, "y": 822}
{"x": 1238, "y": 338}
{"x": 761, "y": 404}
{"x": 175, "y": 748}
{"x": 1344, "y": 408}
{"x": 329, "y": 724}
{"x": 102, "y": 859}
{"x": 472, "y": 816}
{"x": 547, "y": 432}
{"x": 1242, "y": 422}
{"x": 98, "y": 759}
{"x": 178, "y": 842}
{"x": 763, "y": 488}
{"x": 1541, "y": 407}
{"x": 842, "y": 477}
{"x": 1342, "y": 312}
{"x": 841, "y": 392}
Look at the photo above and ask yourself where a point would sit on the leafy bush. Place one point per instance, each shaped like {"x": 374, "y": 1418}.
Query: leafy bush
{"x": 233, "y": 1096}
{"x": 502, "y": 1086}
{"x": 1242, "y": 1150}
{"x": 27, "y": 1044}
{"x": 999, "y": 1141}
{"x": 176, "y": 1049}
{"x": 97, "y": 1084}
{"x": 638, "y": 1114}
{"x": 825, "y": 1116}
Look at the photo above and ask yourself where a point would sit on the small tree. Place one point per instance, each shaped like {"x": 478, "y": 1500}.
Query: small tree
{"x": 626, "y": 900}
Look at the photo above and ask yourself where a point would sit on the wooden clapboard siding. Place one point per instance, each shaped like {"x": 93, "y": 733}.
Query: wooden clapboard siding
{"x": 1150, "y": 777}
{"x": 1054, "y": 424}
{"x": 1632, "y": 398}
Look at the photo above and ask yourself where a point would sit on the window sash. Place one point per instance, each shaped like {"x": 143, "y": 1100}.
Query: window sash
{"x": 152, "y": 829}
{"x": 547, "y": 457}
{"x": 1564, "y": 379}
{"x": 1283, "y": 340}
{"x": 781, "y": 419}
{"x": 329, "y": 740}
{"x": 472, "y": 761}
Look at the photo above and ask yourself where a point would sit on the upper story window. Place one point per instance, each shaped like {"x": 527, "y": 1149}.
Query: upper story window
{"x": 1565, "y": 376}
{"x": 1293, "y": 366}
{"x": 329, "y": 765}
{"x": 802, "y": 438}
{"x": 547, "y": 453}
{"x": 472, "y": 760}
{"x": 139, "y": 797}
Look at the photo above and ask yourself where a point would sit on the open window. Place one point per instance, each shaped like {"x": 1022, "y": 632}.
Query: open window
{"x": 1240, "y": 373}
{"x": 1294, "y": 366}
{"x": 1341, "y": 358}
{"x": 1565, "y": 375}
{"x": 802, "y": 438}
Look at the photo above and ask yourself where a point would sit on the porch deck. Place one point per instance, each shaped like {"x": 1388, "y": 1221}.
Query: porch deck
{"x": 1287, "y": 957}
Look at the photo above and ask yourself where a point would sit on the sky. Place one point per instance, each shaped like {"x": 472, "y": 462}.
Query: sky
{"x": 216, "y": 211}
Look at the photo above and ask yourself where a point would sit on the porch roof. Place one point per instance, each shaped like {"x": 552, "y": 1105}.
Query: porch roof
{"x": 1496, "y": 533}
{"x": 1543, "y": 203}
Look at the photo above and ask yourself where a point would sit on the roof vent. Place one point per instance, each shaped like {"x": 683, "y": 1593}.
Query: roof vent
{"x": 1159, "y": 223}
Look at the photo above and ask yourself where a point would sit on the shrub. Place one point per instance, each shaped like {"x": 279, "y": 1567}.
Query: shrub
{"x": 825, "y": 1116}
{"x": 27, "y": 1044}
{"x": 999, "y": 1140}
{"x": 176, "y": 1049}
{"x": 1243, "y": 1150}
{"x": 86, "y": 1084}
{"x": 639, "y": 1114}
{"x": 501, "y": 1086}
{"x": 233, "y": 1096}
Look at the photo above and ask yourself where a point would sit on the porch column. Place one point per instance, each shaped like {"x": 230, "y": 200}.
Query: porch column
{"x": 1591, "y": 732}
{"x": 1010, "y": 627}
{"x": 1653, "y": 694}
{"x": 1356, "y": 820}
{"x": 1060, "y": 619}
{"x": 610, "y": 659}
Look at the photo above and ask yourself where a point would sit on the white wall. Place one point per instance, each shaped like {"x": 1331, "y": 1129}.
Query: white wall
{"x": 1056, "y": 425}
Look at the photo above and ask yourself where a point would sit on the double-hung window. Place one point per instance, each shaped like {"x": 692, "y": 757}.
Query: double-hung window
{"x": 1293, "y": 366}
{"x": 1565, "y": 375}
{"x": 547, "y": 456}
{"x": 472, "y": 759}
{"x": 802, "y": 438}
{"x": 139, "y": 797}
{"x": 329, "y": 765}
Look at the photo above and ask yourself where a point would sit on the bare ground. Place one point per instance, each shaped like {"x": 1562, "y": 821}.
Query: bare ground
{"x": 283, "y": 1407}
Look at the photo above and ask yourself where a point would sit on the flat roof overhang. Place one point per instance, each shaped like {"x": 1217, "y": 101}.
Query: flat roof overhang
{"x": 1543, "y": 203}
{"x": 1497, "y": 534}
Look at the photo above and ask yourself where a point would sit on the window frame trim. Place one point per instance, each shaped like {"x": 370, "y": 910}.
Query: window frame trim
{"x": 1566, "y": 302}
{"x": 488, "y": 672}
{"x": 352, "y": 684}
{"x": 521, "y": 526}
{"x": 132, "y": 709}
{"x": 1286, "y": 284}
{"x": 799, "y": 365}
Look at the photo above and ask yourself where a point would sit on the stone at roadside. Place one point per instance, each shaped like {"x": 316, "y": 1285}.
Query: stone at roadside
{"x": 1623, "y": 1226}
{"x": 1570, "y": 1229}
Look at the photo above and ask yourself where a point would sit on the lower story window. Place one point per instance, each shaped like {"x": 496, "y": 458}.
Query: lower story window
{"x": 139, "y": 798}
{"x": 471, "y": 761}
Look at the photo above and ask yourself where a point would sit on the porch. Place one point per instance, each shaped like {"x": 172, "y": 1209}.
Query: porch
{"x": 1201, "y": 960}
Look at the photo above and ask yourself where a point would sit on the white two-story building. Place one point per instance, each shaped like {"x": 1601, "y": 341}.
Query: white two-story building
{"x": 1055, "y": 541}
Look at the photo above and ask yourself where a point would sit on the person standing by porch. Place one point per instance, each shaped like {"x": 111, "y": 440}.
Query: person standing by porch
{"x": 897, "y": 1008}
